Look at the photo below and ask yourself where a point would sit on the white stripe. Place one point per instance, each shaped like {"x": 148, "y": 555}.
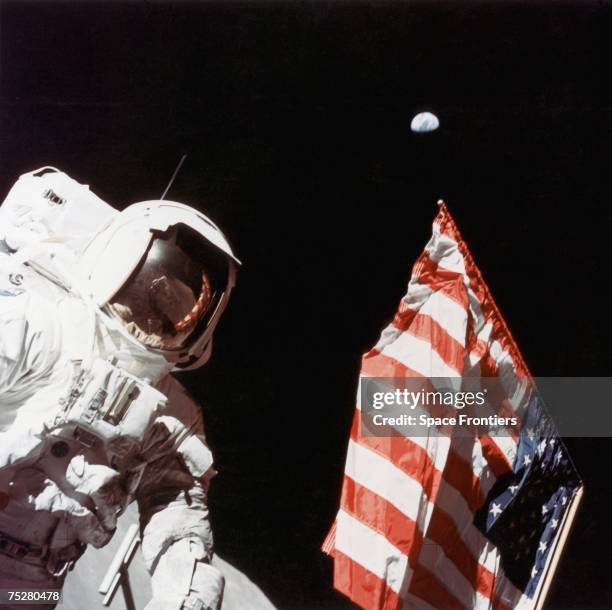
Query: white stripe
{"x": 455, "y": 506}
{"x": 482, "y": 334}
{"x": 506, "y": 592}
{"x": 417, "y": 294}
{"x": 371, "y": 550}
{"x": 514, "y": 387}
{"x": 436, "y": 447}
{"x": 418, "y": 355}
{"x": 414, "y": 299}
{"x": 444, "y": 251}
{"x": 449, "y": 314}
{"x": 433, "y": 558}
{"x": 482, "y": 328}
{"x": 507, "y": 446}
{"x": 471, "y": 452}
{"x": 386, "y": 480}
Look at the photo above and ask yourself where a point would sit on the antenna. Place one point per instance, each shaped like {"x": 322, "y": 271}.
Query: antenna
{"x": 176, "y": 171}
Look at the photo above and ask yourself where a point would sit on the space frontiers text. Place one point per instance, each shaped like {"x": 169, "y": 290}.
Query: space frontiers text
{"x": 471, "y": 405}
{"x": 451, "y": 401}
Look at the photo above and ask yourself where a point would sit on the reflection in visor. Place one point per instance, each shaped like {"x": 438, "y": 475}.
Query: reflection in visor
{"x": 169, "y": 295}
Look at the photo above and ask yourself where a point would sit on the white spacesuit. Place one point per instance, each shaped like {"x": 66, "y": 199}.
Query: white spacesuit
{"x": 96, "y": 308}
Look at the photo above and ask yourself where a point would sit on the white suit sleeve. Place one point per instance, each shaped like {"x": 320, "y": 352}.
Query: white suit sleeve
{"x": 28, "y": 349}
{"x": 13, "y": 327}
{"x": 177, "y": 541}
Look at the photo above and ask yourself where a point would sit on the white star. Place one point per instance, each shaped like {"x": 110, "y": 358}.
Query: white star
{"x": 552, "y": 442}
{"x": 530, "y": 433}
{"x": 526, "y": 460}
{"x": 534, "y": 571}
{"x": 542, "y": 547}
{"x": 495, "y": 509}
{"x": 513, "y": 488}
{"x": 558, "y": 456}
{"x": 542, "y": 447}
{"x": 564, "y": 500}
{"x": 554, "y": 524}
{"x": 544, "y": 509}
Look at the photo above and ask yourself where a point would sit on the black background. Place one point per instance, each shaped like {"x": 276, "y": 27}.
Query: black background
{"x": 296, "y": 117}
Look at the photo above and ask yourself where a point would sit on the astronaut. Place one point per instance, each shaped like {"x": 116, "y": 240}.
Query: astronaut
{"x": 96, "y": 308}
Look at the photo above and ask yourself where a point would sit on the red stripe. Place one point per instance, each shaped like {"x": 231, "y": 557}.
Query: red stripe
{"x": 377, "y": 364}
{"x": 443, "y": 531}
{"x": 427, "y": 587}
{"x": 498, "y": 604}
{"x": 425, "y": 327}
{"x": 381, "y": 516}
{"x": 434, "y": 590}
{"x": 459, "y": 474}
{"x": 406, "y": 455}
{"x": 362, "y": 586}
{"x": 428, "y": 272}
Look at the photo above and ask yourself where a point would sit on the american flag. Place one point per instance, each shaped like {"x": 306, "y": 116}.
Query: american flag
{"x": 449, "y": 522}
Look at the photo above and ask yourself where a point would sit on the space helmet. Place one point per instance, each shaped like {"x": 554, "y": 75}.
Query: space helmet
{"x": 164, "y": 271}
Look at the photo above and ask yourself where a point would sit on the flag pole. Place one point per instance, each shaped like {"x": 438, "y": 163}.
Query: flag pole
{"x": 556, "y": 556}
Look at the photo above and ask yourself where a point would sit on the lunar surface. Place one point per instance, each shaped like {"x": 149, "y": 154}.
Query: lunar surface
{"x": 81, "y": 588}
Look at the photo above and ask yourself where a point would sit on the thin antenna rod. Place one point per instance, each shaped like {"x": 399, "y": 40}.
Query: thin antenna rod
{"x": 176, "y": 171}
